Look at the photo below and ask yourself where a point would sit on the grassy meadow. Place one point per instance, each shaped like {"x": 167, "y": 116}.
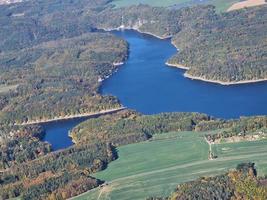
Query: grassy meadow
{"x": 221, "y": 5}
{"x": 156, "y": 167}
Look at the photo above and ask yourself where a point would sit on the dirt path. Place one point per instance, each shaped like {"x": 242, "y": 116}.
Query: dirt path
{"x": 210, "y": 149}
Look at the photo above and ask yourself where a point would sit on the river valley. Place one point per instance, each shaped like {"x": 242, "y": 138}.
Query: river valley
{"x": 146, "y": 84}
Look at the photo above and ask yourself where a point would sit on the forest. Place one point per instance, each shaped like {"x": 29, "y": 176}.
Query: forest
{"x": 125, "y": 124}
{"x": 59, "y": 78}
{"x": 226, "y": 48}
{"x": 243, "y": 127}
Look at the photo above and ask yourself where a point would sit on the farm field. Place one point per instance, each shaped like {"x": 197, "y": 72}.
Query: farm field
{"x": 220, "y": 5}
{"x": 241, "y": 149}
{"x": 156, "y": 167}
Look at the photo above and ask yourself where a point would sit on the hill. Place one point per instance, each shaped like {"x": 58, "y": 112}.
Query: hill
{"x": 228, "y": 49}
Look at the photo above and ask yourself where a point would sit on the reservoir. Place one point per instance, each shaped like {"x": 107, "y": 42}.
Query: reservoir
{"x": 144, "y": 83}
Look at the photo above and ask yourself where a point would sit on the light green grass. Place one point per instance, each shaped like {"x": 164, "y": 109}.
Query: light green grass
{"x": 254, "y": 149}
{"x": 221, "y": 5}
{"x": 154, "y": 155}
{"x": 156, "y": 167}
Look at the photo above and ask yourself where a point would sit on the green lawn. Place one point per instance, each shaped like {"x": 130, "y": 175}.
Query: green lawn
{"x": 156, "y": 167}
{"x": 221, "y": 5}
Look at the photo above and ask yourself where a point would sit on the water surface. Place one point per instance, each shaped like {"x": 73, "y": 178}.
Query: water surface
{"x": 146, "y": 84}
{"x": 57, "y": 133}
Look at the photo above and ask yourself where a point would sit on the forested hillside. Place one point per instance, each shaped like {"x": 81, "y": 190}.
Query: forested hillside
{"x": 226, "y": 48}
{"x": 59, "y": 78}
{"x": 161, "y": 22}
{"x": 127, "y": 126}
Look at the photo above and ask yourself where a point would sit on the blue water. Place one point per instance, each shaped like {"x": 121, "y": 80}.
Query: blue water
{"x": 57, "y": 132}
{"x": 147, "y": 85}
{"x": 144, "y": 83}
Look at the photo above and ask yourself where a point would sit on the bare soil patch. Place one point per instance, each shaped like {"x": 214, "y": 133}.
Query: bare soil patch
{"x": 245, "y": 4}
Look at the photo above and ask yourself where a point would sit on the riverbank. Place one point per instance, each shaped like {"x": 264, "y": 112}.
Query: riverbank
{"x": 176, "y": 66}
{"x": 92, "y": 114}
{"x": 225, "y": 83}
{"x": 138, "y": 30}
{"x": 222, "y": 82}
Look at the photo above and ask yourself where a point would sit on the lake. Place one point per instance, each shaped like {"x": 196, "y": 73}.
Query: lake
{"x": 144, "y": 83}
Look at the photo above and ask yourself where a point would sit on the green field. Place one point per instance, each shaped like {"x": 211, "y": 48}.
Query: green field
{"x": 221, "y": 5}
{"x": 156, "y": 167}
{"x": 242, "y": 149}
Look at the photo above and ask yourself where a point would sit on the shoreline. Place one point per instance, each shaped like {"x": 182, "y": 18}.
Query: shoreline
{"x": 172, "y": 42}
{"x": 222, "y": 82}
{"x": 186, "y": 75}
{"x": 91, "y": 114}
{"x": 138, "y": 30}
{"x": 101, "y": 79}
{"x": 177, "y": 66}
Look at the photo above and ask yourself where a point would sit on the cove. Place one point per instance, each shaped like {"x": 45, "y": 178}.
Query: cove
{"x": 144, "y": 83}
{"x": 57, "y": 132}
